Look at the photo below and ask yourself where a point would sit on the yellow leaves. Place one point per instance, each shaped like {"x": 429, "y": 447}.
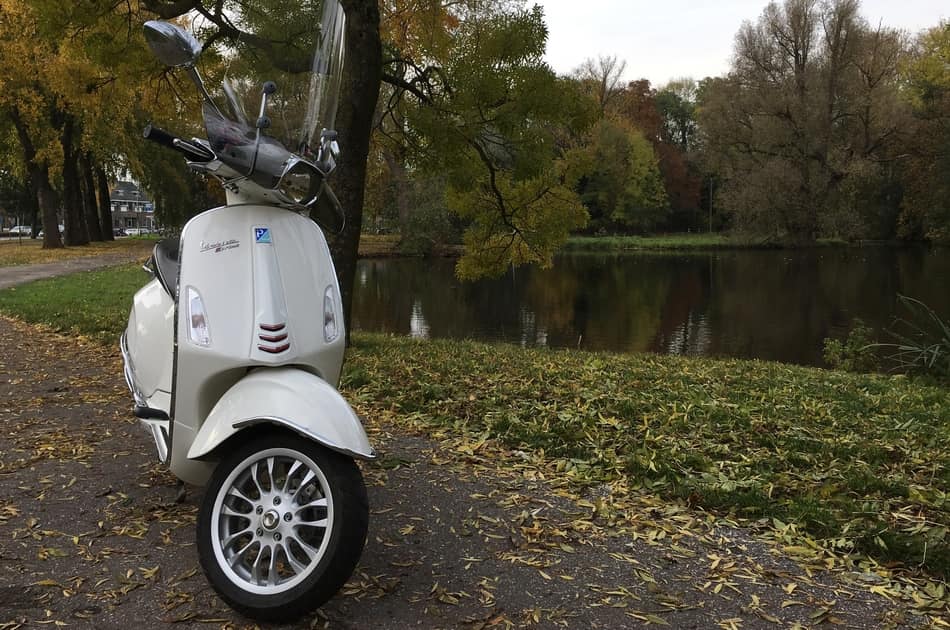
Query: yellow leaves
{"x": 149, "y": 574}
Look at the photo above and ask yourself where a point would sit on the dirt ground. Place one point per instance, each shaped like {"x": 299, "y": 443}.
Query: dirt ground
{"x": 91, "y": 535}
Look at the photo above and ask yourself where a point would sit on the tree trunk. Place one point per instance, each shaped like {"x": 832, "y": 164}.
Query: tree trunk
{"x": 396, "y": 163}
{"x": 90, "y": 206}
{"x": 39, "y": 184}
{"x": 47, "y": 200}
{"x": 105, "y": 205}
{"x": 360, "y": 90}
{"x": 76, "y": 233}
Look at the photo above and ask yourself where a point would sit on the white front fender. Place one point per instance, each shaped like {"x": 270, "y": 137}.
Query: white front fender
{"x": 290, "y": 398}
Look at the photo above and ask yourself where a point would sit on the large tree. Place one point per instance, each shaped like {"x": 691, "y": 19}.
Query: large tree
{"x": 472, "y": 78}
{"x": 925, "y": 211}
{"x": 804, "y": 125}
{"x": 73, "y": 76}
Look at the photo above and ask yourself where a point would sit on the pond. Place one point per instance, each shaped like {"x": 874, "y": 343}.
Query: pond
{"x": 768, "y": 304}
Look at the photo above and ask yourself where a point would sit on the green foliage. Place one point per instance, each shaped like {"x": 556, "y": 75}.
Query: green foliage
{"x": 620, "y": 178}
{"x": 856, "y": 353}
{"x": 925, "y": 211}
{"x": 491, "y": 133}
{"x": 430, "y": 225}
{"x": 537, "y": 216}
{"x": 677, "y": 106}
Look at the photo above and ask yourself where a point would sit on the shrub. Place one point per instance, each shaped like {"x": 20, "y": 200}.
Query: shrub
{"x": 857, "y": 353}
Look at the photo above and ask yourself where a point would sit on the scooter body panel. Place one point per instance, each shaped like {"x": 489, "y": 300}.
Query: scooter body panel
{"x": 286, "y": 397}
{"x": 252, "y": 290}
{"x": 148, "y": 346}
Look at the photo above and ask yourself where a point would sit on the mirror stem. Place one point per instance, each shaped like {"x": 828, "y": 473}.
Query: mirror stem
{"x": 196, "y": 79}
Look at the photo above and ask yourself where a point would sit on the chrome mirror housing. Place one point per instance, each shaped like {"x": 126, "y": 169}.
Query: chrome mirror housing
{"x": 172, "y": 45}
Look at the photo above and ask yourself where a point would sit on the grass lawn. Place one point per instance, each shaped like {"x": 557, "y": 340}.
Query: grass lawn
{"x": 29, "y": 251}
{"x": 849, "y": 463}
{"x": 94, "y": 303}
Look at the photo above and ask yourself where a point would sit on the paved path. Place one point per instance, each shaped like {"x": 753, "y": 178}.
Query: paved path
{"x": 20, "y": 274}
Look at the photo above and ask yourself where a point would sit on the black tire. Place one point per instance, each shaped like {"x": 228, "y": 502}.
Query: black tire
{"x": 341, "y": 552}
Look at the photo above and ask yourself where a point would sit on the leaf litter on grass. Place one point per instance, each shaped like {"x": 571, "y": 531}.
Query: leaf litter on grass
{"x": 841, "y": 473}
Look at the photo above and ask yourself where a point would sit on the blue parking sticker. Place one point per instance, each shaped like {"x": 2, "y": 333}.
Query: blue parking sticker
{"x": 262, "y": 235}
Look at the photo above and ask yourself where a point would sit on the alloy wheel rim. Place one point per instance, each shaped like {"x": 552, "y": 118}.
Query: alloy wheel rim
{"x": 271, "y": 521}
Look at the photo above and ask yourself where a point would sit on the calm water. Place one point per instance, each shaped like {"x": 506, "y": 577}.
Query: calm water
{"x": 777, "y": 305}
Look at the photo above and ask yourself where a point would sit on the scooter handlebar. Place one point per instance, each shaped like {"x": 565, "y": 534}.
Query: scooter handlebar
{"x": 193, "y": 152}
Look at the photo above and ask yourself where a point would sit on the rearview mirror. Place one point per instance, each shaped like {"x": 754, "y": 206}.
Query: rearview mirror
{"x": 173, "y": 45}
{"x": 327, "y": 211}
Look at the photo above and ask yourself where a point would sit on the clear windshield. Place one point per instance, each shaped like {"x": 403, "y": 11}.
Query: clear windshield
{"x": 298, "y": 46}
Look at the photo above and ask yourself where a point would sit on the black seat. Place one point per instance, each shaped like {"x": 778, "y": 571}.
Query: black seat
{"x": 165, "y": 256}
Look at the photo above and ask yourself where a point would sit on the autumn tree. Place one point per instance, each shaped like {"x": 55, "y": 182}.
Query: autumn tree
{"x": 74, "y": 73}
{"x": 925, "y": 207}
{"x": 30, "y": 106}
{"x": 621, "y": 182}
{"x": 602, "y": 80}
{"x": 487, "y": 121}
{"x": 804, "y": 126}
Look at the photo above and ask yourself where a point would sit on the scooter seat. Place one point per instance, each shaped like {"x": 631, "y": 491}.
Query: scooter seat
{"x": 165, "y": 256}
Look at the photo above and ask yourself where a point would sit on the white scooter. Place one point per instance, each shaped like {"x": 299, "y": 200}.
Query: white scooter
{"x": 234, "y": 348}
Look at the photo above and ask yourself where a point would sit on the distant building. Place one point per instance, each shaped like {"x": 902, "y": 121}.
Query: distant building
{"x": 131, "y": 208}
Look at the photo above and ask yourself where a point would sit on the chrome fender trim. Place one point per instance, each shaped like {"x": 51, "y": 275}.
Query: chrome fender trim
{"x": 287, "y": 397}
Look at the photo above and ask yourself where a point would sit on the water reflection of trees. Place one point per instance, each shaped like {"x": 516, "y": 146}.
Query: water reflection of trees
{"x": 768, "y": 304}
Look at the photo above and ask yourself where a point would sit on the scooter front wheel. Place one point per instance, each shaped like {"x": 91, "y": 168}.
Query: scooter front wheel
{"x": 282, "y": 526}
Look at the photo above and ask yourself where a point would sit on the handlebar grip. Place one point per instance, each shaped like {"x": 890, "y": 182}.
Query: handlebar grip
{"x": 160, "y": 136}
{"x": 193, "y": 152}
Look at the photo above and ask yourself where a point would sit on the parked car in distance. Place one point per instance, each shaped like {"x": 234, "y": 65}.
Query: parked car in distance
{"x": 21, "y": 230}
{"x": 119, "y": 232}
{"x": 133, "y": 231}
{"x": 62, "y": 228}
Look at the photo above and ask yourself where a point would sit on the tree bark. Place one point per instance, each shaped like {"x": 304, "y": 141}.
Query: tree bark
{"x": 105, "y": 205}
{"x": 76, "y": 232}
{"x": 39, "y": 184}
{"x": 360, "y": 90}
{"x": 90, "y": 206}
{"x": 49, "y": 202}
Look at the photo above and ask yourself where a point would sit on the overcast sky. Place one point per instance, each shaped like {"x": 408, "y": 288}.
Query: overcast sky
{"x": 668, "y": 39}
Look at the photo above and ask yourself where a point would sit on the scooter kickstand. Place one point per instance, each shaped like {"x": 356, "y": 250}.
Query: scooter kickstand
{"x": 182, "y": 492}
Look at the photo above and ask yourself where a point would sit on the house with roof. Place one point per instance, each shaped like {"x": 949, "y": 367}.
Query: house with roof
{"x": 131, "y": 207}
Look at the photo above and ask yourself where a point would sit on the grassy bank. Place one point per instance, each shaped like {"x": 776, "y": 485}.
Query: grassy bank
{"x": 665, "y": 242}
{"x": 676, "y": 242}
{"x": 857, "y": 463}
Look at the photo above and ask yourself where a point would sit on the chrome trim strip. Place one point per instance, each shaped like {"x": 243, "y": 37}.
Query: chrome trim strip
{"x": 129, "y": 371}
{"x": 155, "y": 428}
{"x": 316, "y": 437}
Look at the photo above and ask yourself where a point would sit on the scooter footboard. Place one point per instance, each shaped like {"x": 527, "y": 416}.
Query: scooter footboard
{"x": 290, "y": 398}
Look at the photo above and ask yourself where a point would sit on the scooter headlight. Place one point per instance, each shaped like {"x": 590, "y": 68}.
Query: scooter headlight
{"x": 300, "y": 183}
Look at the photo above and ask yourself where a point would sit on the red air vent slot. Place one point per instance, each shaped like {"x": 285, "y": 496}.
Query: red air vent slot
{"x": 278, "y": 334}
{"x": 272, "y": 338}
{"x": 274, "y": 350}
